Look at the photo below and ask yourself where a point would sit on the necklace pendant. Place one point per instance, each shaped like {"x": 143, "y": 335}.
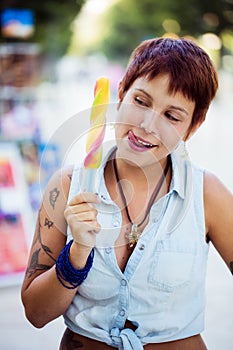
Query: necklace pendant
{"x": 133, "y": 236}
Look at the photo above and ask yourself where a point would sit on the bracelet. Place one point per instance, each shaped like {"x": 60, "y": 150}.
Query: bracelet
{"x": 66, "y": 272}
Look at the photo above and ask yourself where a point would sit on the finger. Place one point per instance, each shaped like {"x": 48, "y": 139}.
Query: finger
{"x": 80, "y": 229}
{"x": 81, "y": 208}
{"x": 84, "y": 197}
{"x": 81, "y": 212}
{"x": 85, "y": 216}
{"x": 94, "y": 227}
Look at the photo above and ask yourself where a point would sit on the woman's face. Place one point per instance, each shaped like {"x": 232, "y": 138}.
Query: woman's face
{"x": 151, "y": 121}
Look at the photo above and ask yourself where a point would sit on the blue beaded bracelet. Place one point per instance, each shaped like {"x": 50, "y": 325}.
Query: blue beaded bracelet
{"x": 67, "y": 273}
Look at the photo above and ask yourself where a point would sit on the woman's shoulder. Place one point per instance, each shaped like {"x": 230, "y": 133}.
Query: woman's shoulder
{"x": 61, "y": 178}
{"x": 217, "y": 196}
{"x": 218, "y": 201}
{"x": 214, "y": 188}
{"x": 58, "y": 186}
{"x": 218, "y": 213}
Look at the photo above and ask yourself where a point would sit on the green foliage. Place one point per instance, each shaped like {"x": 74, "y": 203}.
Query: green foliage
{"x": 53, "y": 20}
{"x": 129, "y": 22}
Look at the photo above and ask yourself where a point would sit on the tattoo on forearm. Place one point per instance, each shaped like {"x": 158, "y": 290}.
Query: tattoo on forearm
{"x": 48, "y": 223}
{"x": 45, "y": 248}
{"x": 34, "y": 265}
{"x": 231, "y": 267}
{"x": 53, "y": 195}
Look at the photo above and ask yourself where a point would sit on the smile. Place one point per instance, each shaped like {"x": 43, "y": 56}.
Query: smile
{"x": 138, "y": 143}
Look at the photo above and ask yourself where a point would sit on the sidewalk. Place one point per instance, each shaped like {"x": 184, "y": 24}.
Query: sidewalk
{"x": 16, "y": 333}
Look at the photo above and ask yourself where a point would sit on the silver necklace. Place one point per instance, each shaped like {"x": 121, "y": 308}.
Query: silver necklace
{"x": 135, "y": 232}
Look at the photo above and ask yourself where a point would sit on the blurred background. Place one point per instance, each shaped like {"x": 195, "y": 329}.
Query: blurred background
{"x": 51, "y": 53}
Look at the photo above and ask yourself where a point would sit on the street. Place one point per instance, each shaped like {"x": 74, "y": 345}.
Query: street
{"x": 211, "y": 148}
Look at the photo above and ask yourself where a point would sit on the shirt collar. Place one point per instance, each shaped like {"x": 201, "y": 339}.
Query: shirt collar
{"x": 179, "y": 171}
{"x": 179, "y": 162}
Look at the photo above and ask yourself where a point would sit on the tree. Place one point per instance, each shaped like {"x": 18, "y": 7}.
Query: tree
{"x": 129, "y": 22}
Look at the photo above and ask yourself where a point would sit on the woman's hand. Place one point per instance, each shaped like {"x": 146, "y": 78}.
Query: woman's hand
{"x": 81, "y": 216}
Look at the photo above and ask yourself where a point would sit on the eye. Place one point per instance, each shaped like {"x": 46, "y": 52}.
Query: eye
{"x": 171, "y": 117}
{"x": 141, "y": 102}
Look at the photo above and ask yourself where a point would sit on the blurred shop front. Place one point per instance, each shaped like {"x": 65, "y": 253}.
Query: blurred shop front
{"x": 21, "y": 145}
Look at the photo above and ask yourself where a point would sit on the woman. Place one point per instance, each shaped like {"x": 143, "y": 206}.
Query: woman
{"x": 130, "y": 273}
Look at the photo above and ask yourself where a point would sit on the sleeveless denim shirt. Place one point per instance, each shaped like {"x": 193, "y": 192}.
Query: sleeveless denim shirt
{"x": 162, "y": 289}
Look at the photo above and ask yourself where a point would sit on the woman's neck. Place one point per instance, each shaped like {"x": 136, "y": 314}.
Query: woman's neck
{"x": 141, "y": 178}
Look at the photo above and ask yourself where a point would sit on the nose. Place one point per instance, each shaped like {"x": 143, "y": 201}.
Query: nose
{"x": 151, "y": 122}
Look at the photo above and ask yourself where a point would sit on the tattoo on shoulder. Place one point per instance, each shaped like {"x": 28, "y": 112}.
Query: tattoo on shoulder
{"x": 231, "y": 267}
{"x": 53, "y": 195}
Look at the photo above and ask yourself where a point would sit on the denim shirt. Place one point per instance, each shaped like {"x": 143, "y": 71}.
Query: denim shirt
{"x": 162, "y": 289}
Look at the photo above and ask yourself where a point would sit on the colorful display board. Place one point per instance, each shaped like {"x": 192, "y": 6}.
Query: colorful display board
{"x": 15, "y": 216}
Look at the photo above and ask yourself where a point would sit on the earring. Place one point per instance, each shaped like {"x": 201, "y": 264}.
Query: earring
{"x": 183, "y": 150}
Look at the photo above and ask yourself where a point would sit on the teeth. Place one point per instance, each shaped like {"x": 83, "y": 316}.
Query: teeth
{"x": 145, "y": 143}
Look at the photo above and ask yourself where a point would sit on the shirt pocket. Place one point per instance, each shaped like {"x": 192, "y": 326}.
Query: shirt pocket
{"x": 171, "y": 267}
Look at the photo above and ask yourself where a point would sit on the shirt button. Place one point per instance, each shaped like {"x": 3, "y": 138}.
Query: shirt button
{"x": 142, "y": 247}
{"x": 116, "y": 223}
{"x": 122, "y": 313}
{"x": 108, "y": 250}
{"x": 123, "y": 282}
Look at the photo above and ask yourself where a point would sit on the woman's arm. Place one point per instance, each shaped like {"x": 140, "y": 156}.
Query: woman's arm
{"x": 219, "y": 217}
{"x": 44, "y": 298}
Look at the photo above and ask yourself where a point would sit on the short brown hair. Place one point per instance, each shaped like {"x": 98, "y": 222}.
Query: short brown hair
{"x": 190, "y": 68}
